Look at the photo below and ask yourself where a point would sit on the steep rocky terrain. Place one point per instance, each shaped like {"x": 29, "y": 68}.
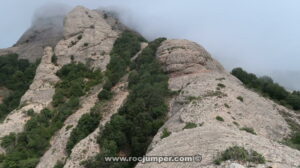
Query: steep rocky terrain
{"x": 208, "y": 111}
{"x": 207, "y": 91}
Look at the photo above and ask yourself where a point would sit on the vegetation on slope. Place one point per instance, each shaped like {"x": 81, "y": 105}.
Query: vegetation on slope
{"x": 274, "y": 91}
{"x": 237, "y": 153}
{"x": 126, "y": 46}
{"x": 24, "y": 149}
{"x": 131, "y": 130}
{"x": 86, "y": 125}
{"x": 267, "y": 87}
{"x": 123, "y": 50}
{"x": 15, "y": 75}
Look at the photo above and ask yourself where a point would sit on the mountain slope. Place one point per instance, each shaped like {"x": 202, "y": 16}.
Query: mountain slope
{"x": 221, "y": 107}
{"x": 170, "y": 94}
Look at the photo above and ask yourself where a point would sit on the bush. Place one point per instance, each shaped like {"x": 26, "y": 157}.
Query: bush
{"x": 54, "y": 59}
{"x": 105, "y": 95}
{"x": 249, "y": 130}
{"x": 221, "y": 85}
{"x": 59, "y": 164}
{"x": 237, "y": 153}
{"x": 190, "y": 125}
{"x": 226, "y": 105}
{"x": 165, "y": 133}
{"x": 219, "y": 118}
{"x": 240, "y": 98}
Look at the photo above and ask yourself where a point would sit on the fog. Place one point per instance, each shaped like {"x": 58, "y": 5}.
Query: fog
{"x": 260, "y": 36}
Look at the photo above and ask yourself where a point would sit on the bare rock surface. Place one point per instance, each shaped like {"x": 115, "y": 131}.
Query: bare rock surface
{"x": 88, "y": 147}
{"x": 88, "y": 39}
{"x": 57, "y": 151}
{"x": 207, "y": 91}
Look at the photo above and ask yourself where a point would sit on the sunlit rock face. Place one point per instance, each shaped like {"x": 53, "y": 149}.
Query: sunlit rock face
{"x": 89, "y": 39}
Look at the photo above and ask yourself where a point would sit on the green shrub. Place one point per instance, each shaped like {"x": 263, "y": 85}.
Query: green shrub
{"x": 54, "y": 59}
{"x": 226, "y": 105}
{"x": 219, "y": 118}
{"x": 237, "y": 153}
{"x": 221, "y": 85}
{"x": 165, "y": 133}
{"x": 86, "y": 44}
{"x": 30, "y": 112}
{"x": 105, "y": 95}
{"x": 59, "y": 164}
{"x": 190, "y": 125}
{"x": 249, "y": 130}
{"x": 79, "y": 37}
{"x": 240, "y": 98}
{"x": 235, "y": 123}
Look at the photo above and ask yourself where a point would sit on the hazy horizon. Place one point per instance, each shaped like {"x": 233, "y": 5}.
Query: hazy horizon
{"x": 260, "y": 36}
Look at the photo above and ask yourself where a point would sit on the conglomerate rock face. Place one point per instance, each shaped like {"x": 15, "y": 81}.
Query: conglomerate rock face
{"x": 207, "y": 91}
{"x": 89, "y": 39}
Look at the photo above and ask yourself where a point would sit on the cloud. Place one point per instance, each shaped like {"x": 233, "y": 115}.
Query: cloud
{"x": 260, "y": 36}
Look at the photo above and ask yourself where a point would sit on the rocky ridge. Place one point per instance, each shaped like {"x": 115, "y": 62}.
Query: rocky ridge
{"x": 206, "y": 92}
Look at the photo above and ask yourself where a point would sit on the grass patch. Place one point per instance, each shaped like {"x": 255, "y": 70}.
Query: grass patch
{"x": 249, "y": 130}
{"x": 190, "y": 125}
{"x": 165, "y": 133}
{"x": 240, "y": 154}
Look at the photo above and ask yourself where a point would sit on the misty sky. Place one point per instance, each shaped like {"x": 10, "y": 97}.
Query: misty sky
{"x": 261, "y": 36}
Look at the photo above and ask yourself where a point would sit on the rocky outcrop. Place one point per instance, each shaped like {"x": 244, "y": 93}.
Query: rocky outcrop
{"x": 88, "y": 39}
{"x": 180, "y": 57}
{"x": 207, "y": 91}
{"x": 88, "y": 147}
{"x": 43, "y": 32}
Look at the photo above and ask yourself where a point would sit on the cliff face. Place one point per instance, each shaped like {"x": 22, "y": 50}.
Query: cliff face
{"x": 217, "y": 104}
